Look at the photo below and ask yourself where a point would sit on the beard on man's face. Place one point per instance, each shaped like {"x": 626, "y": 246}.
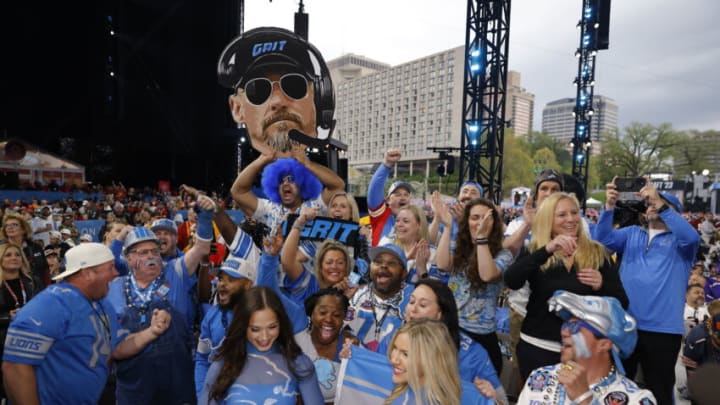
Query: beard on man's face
{"x": 234, "y": 299}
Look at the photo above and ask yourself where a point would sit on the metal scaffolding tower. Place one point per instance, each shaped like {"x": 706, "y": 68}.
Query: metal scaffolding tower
{"x": 485, "y": 78}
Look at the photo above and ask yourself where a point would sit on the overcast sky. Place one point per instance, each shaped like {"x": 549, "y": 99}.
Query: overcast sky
{"x": 663, "y": 64}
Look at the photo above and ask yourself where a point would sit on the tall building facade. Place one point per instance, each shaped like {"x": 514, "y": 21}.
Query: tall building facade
{"x": 519, "y": 106}
{"x": 410, "y": 107}
{"x": 558, "y": 120}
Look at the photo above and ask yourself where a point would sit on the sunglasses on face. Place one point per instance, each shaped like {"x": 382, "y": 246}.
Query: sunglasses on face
{"x": 573, "y": 326}
{"x": 258, "y": 90}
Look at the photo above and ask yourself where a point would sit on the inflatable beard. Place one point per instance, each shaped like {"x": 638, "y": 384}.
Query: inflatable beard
{"x": 309, "y": 185}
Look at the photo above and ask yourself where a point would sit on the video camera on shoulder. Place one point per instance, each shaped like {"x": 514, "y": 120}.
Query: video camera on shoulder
{"x": 629, "y": 207}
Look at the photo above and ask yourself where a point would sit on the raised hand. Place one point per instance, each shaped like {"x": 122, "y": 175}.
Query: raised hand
{"x": 611, "y": 194}
{"x": 392, "y": 156}
{"x": 565, "y": 243}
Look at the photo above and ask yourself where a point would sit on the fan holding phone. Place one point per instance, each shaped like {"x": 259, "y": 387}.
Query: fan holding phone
{"x": 654, "y": 269}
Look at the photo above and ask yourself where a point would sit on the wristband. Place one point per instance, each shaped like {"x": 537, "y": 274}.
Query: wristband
{"x": 481, "y": 241}
{"x": 582, "y": 397}
{"x": 663, "y": 208}
{"x": 298, "y": 227}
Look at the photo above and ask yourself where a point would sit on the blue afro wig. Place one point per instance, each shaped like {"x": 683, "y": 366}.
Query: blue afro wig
{"x": 309, "y": 185}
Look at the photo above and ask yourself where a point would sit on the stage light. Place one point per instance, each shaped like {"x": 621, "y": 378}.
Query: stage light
{"x": 112, "y": 74}
{"x": 577, "y": 53}
{"x": 476, "y": 61}
{"x": 705, "y": 172}
{"x": 586, "y": 40}
{"x": 591, "y": 111}
{"x": 587, "y": 13}
{"x": 579, "y": 158}
{"x": 473, "y": 133}
{"x": 588, "y": 145}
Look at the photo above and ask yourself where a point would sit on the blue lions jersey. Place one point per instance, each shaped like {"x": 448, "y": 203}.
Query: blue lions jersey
{"x": 68, "y": 340}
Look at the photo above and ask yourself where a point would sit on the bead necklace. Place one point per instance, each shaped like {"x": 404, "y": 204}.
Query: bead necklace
{"x": 134, "y": 298}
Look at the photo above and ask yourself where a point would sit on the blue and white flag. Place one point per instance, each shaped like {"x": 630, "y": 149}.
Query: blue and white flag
{"x": 364, "y": 379}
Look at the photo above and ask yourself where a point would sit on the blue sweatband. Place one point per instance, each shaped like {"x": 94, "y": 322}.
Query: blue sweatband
{"x": 204, "y": 224}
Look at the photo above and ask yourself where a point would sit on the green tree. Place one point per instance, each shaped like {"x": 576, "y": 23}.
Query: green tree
{"x": 642, "y": 149}
{"x": 517, "y": 164}
{"x": 540, "y": 140}
{"x": 696, "y": 151}
{"x": 545, "y": 159}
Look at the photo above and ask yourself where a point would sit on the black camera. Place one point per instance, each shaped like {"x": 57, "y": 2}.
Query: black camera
{"x": 633, "y": 184}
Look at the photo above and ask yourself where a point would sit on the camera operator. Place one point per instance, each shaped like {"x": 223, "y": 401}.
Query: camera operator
{"x": 655, "y": 266}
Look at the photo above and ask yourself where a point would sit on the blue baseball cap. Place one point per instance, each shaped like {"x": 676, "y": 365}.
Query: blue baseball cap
{"x": 236, "y": 267}
{"x": 165, "y": 224}
{"x": 474, "y": 184}
{"x": 672, "y": 200}
{"x": 605, "y": 314}
{"x": 391, "y": 249}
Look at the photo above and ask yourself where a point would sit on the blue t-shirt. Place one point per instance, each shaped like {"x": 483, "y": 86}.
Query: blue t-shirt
{"x": 266, "y": 379}
{"x": 68, "y": 339}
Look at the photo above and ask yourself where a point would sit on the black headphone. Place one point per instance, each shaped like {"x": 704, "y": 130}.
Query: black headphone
{"x": 324, "y": 95}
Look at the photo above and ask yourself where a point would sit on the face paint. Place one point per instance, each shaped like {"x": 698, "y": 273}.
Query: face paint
{"x": 580, "y": 346}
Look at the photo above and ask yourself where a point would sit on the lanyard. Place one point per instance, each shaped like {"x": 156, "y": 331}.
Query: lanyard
{"x": 18, "y": 304}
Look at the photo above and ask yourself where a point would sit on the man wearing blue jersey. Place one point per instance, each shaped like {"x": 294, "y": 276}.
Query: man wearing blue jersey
{"x": 377, "y": 309}
{"x": 58, "y": 347}
{"x": 163, "y": 371}
{"x": 655, "y": 267}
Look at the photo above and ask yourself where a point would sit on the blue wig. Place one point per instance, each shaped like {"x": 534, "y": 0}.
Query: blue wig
{"x": 309, "y": 185}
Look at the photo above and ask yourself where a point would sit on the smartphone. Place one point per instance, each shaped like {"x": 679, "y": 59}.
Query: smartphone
{"x": 629, "y": 184}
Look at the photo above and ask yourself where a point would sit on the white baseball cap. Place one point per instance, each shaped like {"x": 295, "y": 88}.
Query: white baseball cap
{"x": 83, "y": 256}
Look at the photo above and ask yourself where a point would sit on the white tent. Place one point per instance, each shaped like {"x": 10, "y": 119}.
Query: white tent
{"x": 591, "y": 202}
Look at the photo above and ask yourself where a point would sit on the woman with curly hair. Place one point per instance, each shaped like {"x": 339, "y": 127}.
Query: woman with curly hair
{"x": 561, "y": 257}
{"x": 474, "y": 271}
{"x": 259, "y": 360}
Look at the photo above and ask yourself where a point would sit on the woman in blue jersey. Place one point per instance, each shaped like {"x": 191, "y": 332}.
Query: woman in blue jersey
{"x": 424, "y": 368}
{"x": 259, "y": 359}
{"x": 432, "y": 299}
{"x": 474, "y": 270}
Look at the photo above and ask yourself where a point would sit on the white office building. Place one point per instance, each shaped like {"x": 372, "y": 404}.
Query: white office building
{"x": 558, "y": 120}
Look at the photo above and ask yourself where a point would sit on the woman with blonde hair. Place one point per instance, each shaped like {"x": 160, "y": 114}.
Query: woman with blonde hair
{"x": 17, "y": 287}
{"x": 425, "y": 367}
{"x": 15, "y": 229}
{"x": 310, "y": 266}
{"x": 411, "y": 234}
{"x": 561, "y": 257}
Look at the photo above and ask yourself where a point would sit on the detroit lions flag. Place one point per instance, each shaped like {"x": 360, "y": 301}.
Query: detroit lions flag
{"x": 364, "y": 379}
